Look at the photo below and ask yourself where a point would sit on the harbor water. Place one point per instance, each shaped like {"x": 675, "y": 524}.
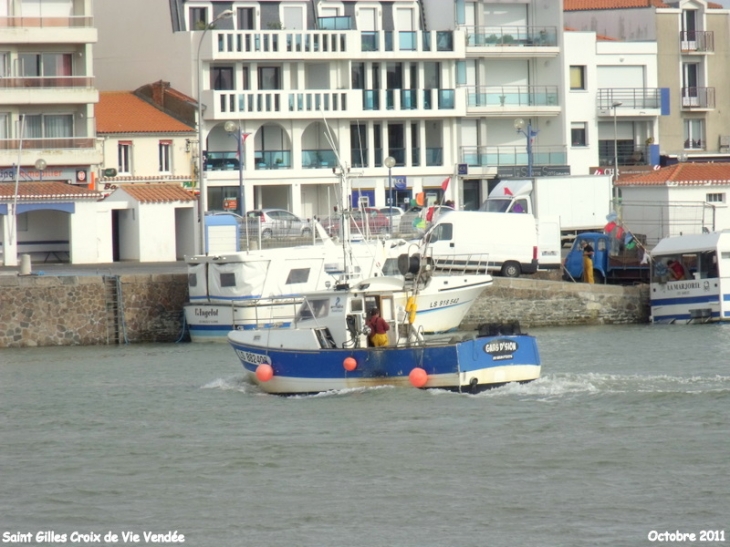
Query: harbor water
{"x": 623, "y": 441}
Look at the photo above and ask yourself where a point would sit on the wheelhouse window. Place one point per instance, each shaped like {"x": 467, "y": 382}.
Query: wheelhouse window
{"x": 313, "y": 308}
{"x": 124, "y": 155}
{"x": 165, "y": 150}
{"x": 228, "y": 279}
{"x": 297, "y": 275}
{"x": 442, "y": 232}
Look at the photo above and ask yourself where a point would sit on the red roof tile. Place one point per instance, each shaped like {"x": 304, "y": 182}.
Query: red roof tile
{"x": 588, "y": 5}
{"x": 45, "y": 191}
{"x": 124, "y": 112}
{"x": 157, "y": 193}
{"x": 683, "y": 174}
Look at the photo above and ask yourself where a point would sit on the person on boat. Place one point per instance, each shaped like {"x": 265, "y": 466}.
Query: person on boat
{"x": 676, "y": 270}
{"x": 378, "y": 329}
{"x": 587, "y": 262}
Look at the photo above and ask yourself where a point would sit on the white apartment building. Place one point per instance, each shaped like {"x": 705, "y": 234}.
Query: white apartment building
{"x": 47, "y": 96}
{"x": 437, "y": 85}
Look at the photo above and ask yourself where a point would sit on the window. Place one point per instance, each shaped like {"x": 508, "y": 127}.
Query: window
{"x": 4, "y": 64}
{"x": 125, "y": 157}
{"x": 48, "y": 126}
{"x": 269, "y": 78}
{"x": 297, "y": 275}
{"x": 221, "y": 78}
{"x": 716, "y": 198}
{"x": 198, "y": 18}
{"x": 244, "y": 19}
{"x": 192, "y": 280}
{"x": 694, "y": 131}
{"x": 228, "y": 279}
{"x": 578, "y": 133}
{"x": 577, "y": 77}
{"x": 164, "y": 156}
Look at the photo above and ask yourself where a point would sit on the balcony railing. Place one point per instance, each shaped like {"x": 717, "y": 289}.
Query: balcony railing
{"x": 343, "y": 22}
{"x": 273, "y": 159}
{"x": 628, "y": 153}
{"x": 73, "y": 21}
{"x": 630, "y": 97}
{"x": 279, "y": 41}
{"x": 318, "y": 159}
{"x": 56, "y": 143}
{"x": 46, "y": 82}
{"x": 523, "y": 95}
{"x": 698, "y": 97}
{"x": 697, "y": 40}
{"x": 493, "y": 156}
{"x": 511, "y": 36}
{"x": 442, "y": 40}
{"x": 408, "y": 99}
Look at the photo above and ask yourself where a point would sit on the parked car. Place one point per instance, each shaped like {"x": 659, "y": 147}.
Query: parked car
{"x": 279, "y": 223}
{"x": 394, "y": 213}
{"x": 369, "y": 221}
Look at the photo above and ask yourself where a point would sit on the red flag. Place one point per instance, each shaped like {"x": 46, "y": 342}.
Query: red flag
{"x": 244, "y": 136}
{"x": 507, "y": 192}
{"x": 445, "y": 184}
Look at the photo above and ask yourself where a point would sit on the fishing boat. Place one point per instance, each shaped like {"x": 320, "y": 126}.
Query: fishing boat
{"x": 326, "y": 346}
{"x": 689, "y": 279}
{"x": 258, "y": 289}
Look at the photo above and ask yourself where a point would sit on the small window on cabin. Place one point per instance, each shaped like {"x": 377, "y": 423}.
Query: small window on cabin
{"x": 601, "y": 245}
{"x": 192, "y": 280}
{"x": 356, "y": 305}
{"x": 716, "y": 198}
{"x": 228, "y": 280}
{"x": 725, "y": 255}
{"x": 298, "y": 275}
{"x": 442, "y": 232}
{"x": 311, "y": 309}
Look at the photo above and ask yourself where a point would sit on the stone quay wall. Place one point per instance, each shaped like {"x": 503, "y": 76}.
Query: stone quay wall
{"x": 73, "y": 310}
{"x": 539, "y": 303}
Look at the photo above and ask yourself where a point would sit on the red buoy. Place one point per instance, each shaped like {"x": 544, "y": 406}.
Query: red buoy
{"x": 349, "y": 363}
{"x": 264, "y": 372}
{"x": 418, "y": 377}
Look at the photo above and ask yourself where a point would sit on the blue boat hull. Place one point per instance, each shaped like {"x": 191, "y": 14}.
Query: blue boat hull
{"x": 467, "y": 366}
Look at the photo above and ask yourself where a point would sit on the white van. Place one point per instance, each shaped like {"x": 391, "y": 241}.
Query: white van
{"x": 508, "y": 243}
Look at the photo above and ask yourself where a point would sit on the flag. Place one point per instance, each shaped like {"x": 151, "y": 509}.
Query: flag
{"x": 244, "y": 136}
{"x": 445, "y": 183}
{"x": 420, "y": 199}
{"x": 507, "y": 192}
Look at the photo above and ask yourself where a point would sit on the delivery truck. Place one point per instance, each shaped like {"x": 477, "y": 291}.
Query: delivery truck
{"x": 581, "y": 203}
{"x": 507, "y": 244}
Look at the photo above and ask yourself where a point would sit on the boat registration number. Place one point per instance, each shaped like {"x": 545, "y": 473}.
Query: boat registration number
{"x": 441, "y": 303}
{"x": 253, "y": 358}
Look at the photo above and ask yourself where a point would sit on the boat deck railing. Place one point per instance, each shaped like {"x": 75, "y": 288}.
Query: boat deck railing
{"x": 458, "y": 264}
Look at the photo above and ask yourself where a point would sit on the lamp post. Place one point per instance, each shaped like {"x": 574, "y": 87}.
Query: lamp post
{"x": 615, "y": 105}
{"x": 389, "y": 162}
{"x": 203, "y": 201}
{"x": 528, "y": 132}
{"x": 40, "y": 165}
{"x": 235, "y": 130}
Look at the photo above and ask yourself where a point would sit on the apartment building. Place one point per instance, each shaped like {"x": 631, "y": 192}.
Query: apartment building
{"x": 47, "y": 97}
{"x": 693, "y": 53}
{"x": 321, "y": 86}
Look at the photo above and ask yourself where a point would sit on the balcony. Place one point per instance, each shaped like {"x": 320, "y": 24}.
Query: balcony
{"x": 698, "y": 98}
{"x": 273, "y": 159}
{"x": 495, "y": 156}
{"x": 318, "y": 159}
{"x": 627, "y": 152}
{"x": 697, "y": 41}
{"x": 648, "y": 99}
{"x": 496, "y": 99}
{"x": 58, "y": 30}
{"x": 512, "y": 41}
{"x": 321, "y": 44}
{"x": 309, "y": 104}
{"x": 48, "y": 90}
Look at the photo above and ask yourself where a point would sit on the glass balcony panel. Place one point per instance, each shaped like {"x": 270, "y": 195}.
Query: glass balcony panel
{"x": 407, "y": 41}
{"x": 371, "y": 99}
{"x": 390, "y": 99}
{"x": 434, "y": 157}
{"x": 409, "y": 99}
{"x": 445, "y": 40}
{"x": 426, "y": 35}
{"x": 388, "y": 40}
{"x": 415, "y": 157}
{"x": 369, "y": 41}
{"x": 359, "y": 157}
{"x": 447, "y": 99}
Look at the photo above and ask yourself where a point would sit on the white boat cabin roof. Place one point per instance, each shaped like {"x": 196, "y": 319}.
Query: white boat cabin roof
{"x": 692, "y": 243}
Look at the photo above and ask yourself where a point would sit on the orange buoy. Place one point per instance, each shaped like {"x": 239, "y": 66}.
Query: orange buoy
{"x": 418, "y": 377}
{"x": 349, "y": 363}
{"x": 264, "y": 372}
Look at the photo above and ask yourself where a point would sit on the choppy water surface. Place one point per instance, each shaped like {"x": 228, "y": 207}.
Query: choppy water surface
{"x": 626, "y": 433}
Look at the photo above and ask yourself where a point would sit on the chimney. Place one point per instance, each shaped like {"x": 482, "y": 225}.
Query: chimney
{"x": 158, "y": 92}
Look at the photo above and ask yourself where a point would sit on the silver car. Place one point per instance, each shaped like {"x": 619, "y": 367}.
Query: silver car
{"x": 279, "y": 223}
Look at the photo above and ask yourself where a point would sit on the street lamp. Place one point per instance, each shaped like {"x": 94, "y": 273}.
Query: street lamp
{"x": 530, "y": 134}
{"x": 40, "y": 165}
{"x": 389, "y": 162}
{"x": 203, "y": 201}
{"x": 615, "y": 105}
{"x": 235, "y": 130}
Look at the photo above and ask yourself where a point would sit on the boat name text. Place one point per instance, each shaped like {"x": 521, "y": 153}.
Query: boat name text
{"x": 200, "y": 312}
{"x": 442, "y": 303}
{"x": 682, "y": 285}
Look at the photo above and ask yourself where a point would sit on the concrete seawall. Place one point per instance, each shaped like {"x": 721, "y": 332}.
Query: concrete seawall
{"x": 77, "y": 310}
